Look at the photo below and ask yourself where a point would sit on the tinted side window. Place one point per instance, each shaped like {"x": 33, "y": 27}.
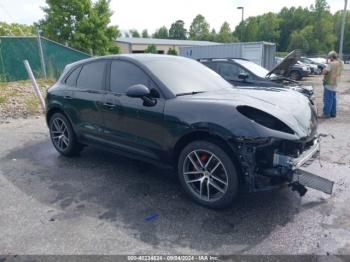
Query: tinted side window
{"x": 91, "y": 76}
{"x": 228, "y": 70}
{"x": 125, "y": 74}
{"x": 211, "y": 65}
{"x": 72, "y": 78}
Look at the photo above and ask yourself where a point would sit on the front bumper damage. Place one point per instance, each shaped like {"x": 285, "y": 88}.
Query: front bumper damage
{"x": 278, "y": 163}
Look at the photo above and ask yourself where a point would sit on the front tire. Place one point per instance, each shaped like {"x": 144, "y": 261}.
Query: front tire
{"x": 62, "y": 135}
{"x": 208, "y": 174}
{"x": 295, "y": 75}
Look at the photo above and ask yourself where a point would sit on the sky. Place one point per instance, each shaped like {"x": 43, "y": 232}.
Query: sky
{"x": 152, "y": 14}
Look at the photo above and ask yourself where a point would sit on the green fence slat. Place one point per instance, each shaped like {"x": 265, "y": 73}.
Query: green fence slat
{"x": 13, "y": 50}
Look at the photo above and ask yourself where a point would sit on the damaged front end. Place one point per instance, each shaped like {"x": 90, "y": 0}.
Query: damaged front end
{"x": 268, "y": 163}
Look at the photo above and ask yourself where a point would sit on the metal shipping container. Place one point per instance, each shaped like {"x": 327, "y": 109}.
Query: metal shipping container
{"x": 261, "y": 53}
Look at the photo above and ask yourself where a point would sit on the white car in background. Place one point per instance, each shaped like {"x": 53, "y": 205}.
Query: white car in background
{"x": 315, "y": 69}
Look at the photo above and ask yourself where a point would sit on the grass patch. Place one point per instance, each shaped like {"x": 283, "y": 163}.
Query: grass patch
{"x": 2, "y": 99}
{"x": 18, "y": 98}
{"x": 32, "y": 105}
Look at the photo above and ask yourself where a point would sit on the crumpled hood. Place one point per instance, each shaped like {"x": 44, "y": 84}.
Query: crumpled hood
{"x": 289, "y": 106}
{"x": 285, "y": 65}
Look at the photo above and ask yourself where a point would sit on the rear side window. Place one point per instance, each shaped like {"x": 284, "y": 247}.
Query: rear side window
{"x": 91, "y": 76}
{"x": 125, "y": 74}
{"x": 72, "y": 78}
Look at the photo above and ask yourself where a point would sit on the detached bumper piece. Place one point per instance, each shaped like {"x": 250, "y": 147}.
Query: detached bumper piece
{"x": 308, "y": 179}
{"x": 301, "y": 178}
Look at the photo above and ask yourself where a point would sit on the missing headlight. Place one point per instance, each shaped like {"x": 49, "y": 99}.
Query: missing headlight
{"x": 264, "y": 119}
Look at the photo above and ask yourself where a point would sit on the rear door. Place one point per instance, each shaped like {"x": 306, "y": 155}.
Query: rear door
{"x": 87, "y": 98}
{"x": 129, "y": 123}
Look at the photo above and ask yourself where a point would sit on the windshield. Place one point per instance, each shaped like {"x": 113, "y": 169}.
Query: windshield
{"x": 183, "y": 75}
{"x": 254, "y": 68}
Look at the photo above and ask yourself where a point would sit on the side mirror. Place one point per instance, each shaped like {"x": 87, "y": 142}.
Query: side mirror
{"x": 141, "y": 91}
{"x": 137, "y": 91}
{"x": 243, "y": 76}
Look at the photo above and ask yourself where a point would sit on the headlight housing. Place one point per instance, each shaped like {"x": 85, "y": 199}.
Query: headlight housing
{"x": 264, "y": 119}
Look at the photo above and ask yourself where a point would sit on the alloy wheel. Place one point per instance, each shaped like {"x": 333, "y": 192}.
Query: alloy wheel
{"x": 59, "y": 134}
{"x": 205, "y": 175}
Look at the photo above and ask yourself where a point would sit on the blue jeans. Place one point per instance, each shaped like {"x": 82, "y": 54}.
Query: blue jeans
{"x": 329, "y": 103}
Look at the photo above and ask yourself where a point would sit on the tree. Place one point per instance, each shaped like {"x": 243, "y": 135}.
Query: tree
{"x": 250, "y": 30}
{"x": 178, "y": 31}
{"x": 199, "y": 29}
{"x": 213, "y": 35}
{"x": 145, "y": 34}
{"x": 320, "y": 6}
{"x": 291, "y": 20}
{"x": 260, "y": 28}
{"x": 300, "y": 39}
{"x": 161, "y": 33}
{"x": 62, "y": 18}
{"x": 134, "y": 33}
{"x": 172, "y": 51}
{"x": 16, "y": 29}
{"x": 225, "y": 34}
{"x": 269, "y": 28}
{"x": 152, "y": 49}
{"x": 94, "y": 33}
{"x": 81, "y": 24}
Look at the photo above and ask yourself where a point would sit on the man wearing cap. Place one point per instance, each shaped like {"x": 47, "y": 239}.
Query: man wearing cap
{"x": 331, "y": 78}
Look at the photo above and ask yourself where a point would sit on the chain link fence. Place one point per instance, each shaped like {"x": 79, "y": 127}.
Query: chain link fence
{"x": 13, "y": 50}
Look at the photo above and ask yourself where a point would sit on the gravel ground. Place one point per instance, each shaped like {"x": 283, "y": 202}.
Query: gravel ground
{"x": 97, "y": 203}
{"x": 17, "y": 100}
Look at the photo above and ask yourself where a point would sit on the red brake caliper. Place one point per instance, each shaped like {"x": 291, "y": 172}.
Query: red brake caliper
{"x": 204, "y": 158}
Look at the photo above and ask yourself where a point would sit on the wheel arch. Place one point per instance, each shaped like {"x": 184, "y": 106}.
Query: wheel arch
{"x": 297, "y": 72}
{"x": 52, "y": 111}
{"x": 58, "y": 109}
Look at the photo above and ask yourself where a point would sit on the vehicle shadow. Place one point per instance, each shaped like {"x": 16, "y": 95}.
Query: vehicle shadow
{"x": 143, "y": 200}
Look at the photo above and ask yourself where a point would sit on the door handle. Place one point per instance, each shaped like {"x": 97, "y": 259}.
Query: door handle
{"x": 109, "y": 105}
{"x": 68, "y": 97}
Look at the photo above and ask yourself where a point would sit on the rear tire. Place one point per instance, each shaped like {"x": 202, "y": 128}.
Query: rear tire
{"x": 208, "y": 174}
{"x": 62, "y": 135}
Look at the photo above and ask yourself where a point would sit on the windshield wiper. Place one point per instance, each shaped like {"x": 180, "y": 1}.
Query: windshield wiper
{"x": 189, "y": 93}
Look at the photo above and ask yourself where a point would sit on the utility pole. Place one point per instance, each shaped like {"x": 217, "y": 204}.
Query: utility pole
{"x": 342, "y": 30}
{"x": 242, "y": 21}
{"x": 42, "y": 60}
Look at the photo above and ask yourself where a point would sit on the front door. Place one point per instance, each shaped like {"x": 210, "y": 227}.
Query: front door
{"x": 130, "y": 124}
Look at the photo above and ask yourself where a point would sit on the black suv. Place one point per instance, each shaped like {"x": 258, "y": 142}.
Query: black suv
{"x": 175, "y": 112}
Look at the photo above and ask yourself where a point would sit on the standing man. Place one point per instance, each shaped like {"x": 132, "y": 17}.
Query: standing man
{"x": 331, "y": 79}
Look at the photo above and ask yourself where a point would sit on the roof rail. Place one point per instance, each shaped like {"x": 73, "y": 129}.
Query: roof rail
{"x": 213, "y": 58}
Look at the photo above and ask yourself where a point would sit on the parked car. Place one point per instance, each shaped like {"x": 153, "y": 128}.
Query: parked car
{"x": 289, "y": 66}
{"x": 174, "y": 111}
{"x": 319, "y": 60}
{"x": 316, "y": 68}
{"x": 243, "y": 73}
{"x": 346, "y": 58}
